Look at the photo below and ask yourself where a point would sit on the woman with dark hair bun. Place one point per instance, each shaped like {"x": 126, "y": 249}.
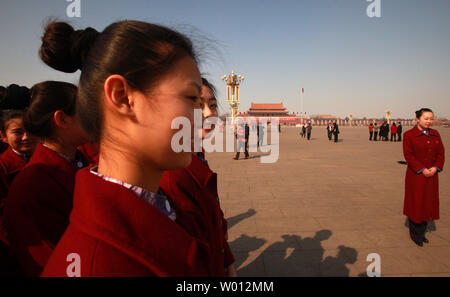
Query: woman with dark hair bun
{"x": 425, "y": 155}
{"x": 40, "y": 198}
{"x": 135, "y": 79}
{"x": 193, "y": 191}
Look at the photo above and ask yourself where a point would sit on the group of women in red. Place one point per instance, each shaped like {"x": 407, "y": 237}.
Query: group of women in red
{"x": 90, "y": 171}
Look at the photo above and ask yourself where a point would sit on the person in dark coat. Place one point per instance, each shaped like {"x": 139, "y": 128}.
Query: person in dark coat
{"x": 194, "y": 196}
{"x": 425, "y": 155}
{"x": 308, "y": 130}
{"x": 40, "y": 198}
{"x": 335, "y": 131}
{"x": 303, "y": 130}
{"x": 329, "y": 131}
{"x": 242, "y": 136}
{"x": 399, "y": 131}
{"x": 386, "y": 131}
{"x": 121, "y": 223}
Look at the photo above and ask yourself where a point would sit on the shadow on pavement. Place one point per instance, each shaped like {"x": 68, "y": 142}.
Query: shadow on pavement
{"x": 296, "y": 256}
{"x": 240, "y": 217}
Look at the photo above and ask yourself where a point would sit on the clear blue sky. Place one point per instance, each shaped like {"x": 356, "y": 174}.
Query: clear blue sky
{"x": 346, "y": 61}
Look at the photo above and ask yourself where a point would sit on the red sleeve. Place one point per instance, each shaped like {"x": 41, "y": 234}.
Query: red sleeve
{"x": 440, "y": 155}
{"x": 24, "y": 216}
{"x": 413, "y": 163}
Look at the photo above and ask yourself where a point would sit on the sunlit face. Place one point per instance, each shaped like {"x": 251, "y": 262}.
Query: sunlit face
{"x": 209, "y": 109}
{"x": 175, "y": 95}
{"x": 18, "y": 138}
{"x": 426, "y": 120}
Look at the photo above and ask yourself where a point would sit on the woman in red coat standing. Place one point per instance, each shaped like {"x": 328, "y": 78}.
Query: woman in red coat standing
{"x": 20, "y": 146}
{"x": 424, "y": 153}
{"x": 193, "y": 191}
{"x": 39, "y": 200}
{"x": 135, "y": 79}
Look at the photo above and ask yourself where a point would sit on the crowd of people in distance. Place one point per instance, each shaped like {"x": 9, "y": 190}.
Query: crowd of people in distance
{"x": 381, "y": 133}
{"x": 332, "y": 131}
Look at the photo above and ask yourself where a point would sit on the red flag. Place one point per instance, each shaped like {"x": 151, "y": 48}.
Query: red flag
{"x": 303, "y": 90}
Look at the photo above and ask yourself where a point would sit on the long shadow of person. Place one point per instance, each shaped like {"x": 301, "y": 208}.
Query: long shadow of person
{"x": 242, "y": 246}
{"x": 294, "y": 256}
{"x": 337, "y": 266}
{"x": 240, "y": 217}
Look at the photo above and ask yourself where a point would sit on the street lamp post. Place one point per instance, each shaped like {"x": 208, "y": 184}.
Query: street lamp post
{"x": 233, "y": 82}
{"x": 388, "y": 115}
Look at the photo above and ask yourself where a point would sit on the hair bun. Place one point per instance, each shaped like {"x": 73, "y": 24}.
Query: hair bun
{"x": 15, "y": 97}
{"x": 65, "y": 49}
{"x": 82, "y": 41}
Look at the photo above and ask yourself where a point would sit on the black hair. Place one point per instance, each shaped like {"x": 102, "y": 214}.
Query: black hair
{"x": 210, "y": 86}
{"x": 421, "y": 111}
{"x": 7, "y": 116}
{"x": 46, "y": 98}
{"x": 140, "y": 52}
{"x": 14, "y": 97}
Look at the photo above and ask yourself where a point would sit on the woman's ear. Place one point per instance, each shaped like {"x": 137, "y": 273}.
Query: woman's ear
{"x": 118, "y": 95}
{"x": 60, "y": 119}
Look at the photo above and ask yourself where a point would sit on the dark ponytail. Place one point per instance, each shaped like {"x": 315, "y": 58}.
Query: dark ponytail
{"x": 46, "y": 98}
{"x": 421, "y": 111}
{"x": 140, "y": 52}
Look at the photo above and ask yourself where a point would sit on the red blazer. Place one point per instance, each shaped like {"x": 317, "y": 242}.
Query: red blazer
{"x": 38, "y": 208}
{"x": 10, "y": 165}
{"x": 422, "y": 193}
{"x": 193, "y": 192}
{"x": 116, "y": 233}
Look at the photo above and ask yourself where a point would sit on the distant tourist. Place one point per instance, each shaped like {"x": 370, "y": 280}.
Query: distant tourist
{"x": 376, "y": 129}
{"x": 303, "y": 133}
{"x": 242, "y": 134}
{"x": 335, "y": 131}
{"x": 308, "y": 130}
{"x": 399, "y": 131}
{"x": 260, "y": 133}
{"x": 425, "y": 154}
{"x": 330, "y": 130}
{"x": 394, "y": 132}
{"x": 371, "y": 131}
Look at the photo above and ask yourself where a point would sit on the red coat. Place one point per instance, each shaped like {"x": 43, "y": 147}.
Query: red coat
{"x": 38, "y": 208}
{"x": 422, "y": 193}
{"x": 393, "y": 129}
{"x": 193, "y": 192}
{"x": 116, "y": 233}
{"x": 10, "y": 165}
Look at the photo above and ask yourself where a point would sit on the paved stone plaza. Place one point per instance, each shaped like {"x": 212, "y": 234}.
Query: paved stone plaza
{"x": 324, "y": 206}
